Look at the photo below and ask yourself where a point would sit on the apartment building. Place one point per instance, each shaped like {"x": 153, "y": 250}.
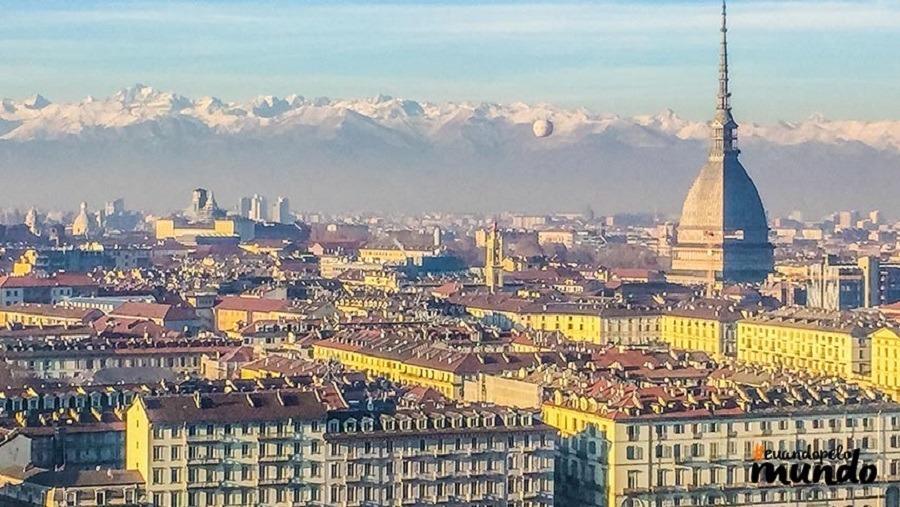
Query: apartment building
{"x": 886, "y": 360}
{"x": 595, "y": 323}
{"x": 45, "y": 289}
{"x": 600, "y": 323}
{"x": 37, "y": 487}
{"x": 284, "y": 448}
{"x": 417, "y": 360}
{"x": 702, "y": 455}
{"x": 658, "y": 427}
{"x": 68, "y": 359}
{"x": 233, "y": 312}
{"x": 41, "y": 315}
{"x": 455, "y": 455}
{"x": 704, "y": 325}
{"x": 817, "y": 341}
{"x": 228, "y": 449}
{"x": 686, "y": 444}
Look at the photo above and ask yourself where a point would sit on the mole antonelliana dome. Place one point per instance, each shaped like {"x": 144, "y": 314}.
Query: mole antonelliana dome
{"x": 723, "y": 232}
{"x": 724, "y": 197}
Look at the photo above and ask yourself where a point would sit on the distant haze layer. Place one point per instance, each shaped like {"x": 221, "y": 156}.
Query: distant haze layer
{"x": 388, "y": 154}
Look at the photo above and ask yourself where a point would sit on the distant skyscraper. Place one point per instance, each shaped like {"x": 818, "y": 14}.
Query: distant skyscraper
{"x": 837, "y": 285}
{"x": 258, "y": 209}
{"x": 244, "y": 207}
{"x": 723, "y": 234}
{"x": 436, "y": 233}
{"x": 875, "y": 216}
{"x": 281, "y": 211}
{"x": 847, "y": 219}
{"x": 115, "y": 207}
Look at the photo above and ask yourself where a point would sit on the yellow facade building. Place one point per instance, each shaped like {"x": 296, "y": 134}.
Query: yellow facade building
{"x": 47, "y": 315}
{"x": 383, "y": 280}
{"x": 584, "y": 322}
{"x": 228, "y": 449}
{"x": 399, "y": 365}
{"x": 599, "y": 324}
{"x": 395, "y": 253}
{"x": 575, "y": 322}
{"x": 282, "y": 448}
{"x": 233, "y": 313}
{"x": 176, "y": 228}
{"x": 816, "y": 341}
{"x": 416, "y": 361}
{"x": 648, "y": 427}
{"x": 557, "y": 237}
{"x": 703, "y": 326}
{"x": 502, "y": 309}
{"x": 653, "y": 455}
{"x": 886, "y": 360}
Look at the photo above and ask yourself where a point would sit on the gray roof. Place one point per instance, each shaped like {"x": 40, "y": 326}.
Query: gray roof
{"x": 724, "y": 198}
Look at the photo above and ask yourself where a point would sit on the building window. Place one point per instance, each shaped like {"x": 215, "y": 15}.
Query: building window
{"x": 335, "y": 494}
{"x": 634, "y": 452}
{"x": 633, "y": 479}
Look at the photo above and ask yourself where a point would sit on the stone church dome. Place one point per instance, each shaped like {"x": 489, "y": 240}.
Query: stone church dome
{"x": 82, "y": 224}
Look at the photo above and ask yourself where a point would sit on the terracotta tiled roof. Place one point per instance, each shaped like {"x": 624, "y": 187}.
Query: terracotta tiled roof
{"x": 58, "y": 280}
{"x": 130, "y": 327}
{"x": 448, "y": 289}
{"x": 286, "y": 366}
{"x": 82, "y": 314}
{"x": 494, "y": 302}
{"x": 154, "y": 311}
{"x": 252, "y": 304}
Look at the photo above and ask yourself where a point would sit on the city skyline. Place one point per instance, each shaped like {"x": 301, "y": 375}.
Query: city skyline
{"x": 463, "y": 280}
{"x": 393, "y": 155}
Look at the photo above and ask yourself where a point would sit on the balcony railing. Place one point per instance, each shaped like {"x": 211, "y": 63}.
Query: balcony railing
{"x": 205, "y": 460}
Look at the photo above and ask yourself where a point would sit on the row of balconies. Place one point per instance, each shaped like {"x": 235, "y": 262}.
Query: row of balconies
{"x": 220, "y": 437}
{"x": 254, "y": 483}
{"x": 219, "y": 462}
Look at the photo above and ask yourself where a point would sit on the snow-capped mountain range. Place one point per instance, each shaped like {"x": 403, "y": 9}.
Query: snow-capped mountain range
{"x": 39, "y": 118}
{"x": 386, "y": 153}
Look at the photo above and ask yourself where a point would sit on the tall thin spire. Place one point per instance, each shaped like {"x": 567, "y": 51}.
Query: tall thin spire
{"x": 723, "y": 137}
{"x": 724, "y": 102}
{"x": 493, "y": 265}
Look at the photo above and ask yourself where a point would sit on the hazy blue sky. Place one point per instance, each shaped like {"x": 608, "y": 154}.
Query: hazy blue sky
{"x": 790, "y": 58}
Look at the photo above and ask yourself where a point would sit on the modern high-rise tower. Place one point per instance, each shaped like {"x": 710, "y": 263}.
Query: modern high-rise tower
{"x": 723, "y": 235}
{"x": 259, "y": 210}
{"x": 281, "y": 211}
